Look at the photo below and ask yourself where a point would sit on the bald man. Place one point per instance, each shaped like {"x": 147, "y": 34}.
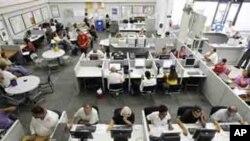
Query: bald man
{"x": 115, "y": 77}
{"x": 227, "y": 115}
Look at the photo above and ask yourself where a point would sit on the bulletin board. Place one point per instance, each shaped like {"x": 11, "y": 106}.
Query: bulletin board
{"x": 17, "y": 24}
{"x": 45, "y": 13}
{"x": 38, "y": 16}
{"x": 55, "y": 11}
{"x": 29, "y": 20}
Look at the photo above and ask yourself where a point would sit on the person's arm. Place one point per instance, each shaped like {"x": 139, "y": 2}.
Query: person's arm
{"x": 216, "y": 124}
{"x": 32, "y": 128}
{"x": 141, "y": 86}
{"x": 184, "y": 129}
{"x": 203, "y": 119}
{"x": 111, "y": 125}
{"x": 125, "y": 119}
{"x": 9, "y": 109}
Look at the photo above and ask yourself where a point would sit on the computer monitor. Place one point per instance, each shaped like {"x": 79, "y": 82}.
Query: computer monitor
{"x": 122, "y": 42}
{"x": 60, "y": 133}
{"x": 94, "y": 57}
{"x": 122, "y": 133}
{"x": 139, "y": 63}
{"x": 117, "y": 66}
{"x": 131, "y": 39}
{"x": 189, "y": 62}
{"x": 167, "y": 63}
{"x": 170, "y": 136}
{"x": 204, "y": 134}
{"x": 165, "y": 56}
{"x": 83, "y": 132}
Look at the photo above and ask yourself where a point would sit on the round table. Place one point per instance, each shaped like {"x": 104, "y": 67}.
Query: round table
{"x": 51, "y": 54}
{"x": 24, "y": 84}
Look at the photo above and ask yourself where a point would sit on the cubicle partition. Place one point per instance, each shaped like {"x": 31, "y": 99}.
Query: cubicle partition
{"x": 145, "y": 126}
{"x": 15, "y": 132}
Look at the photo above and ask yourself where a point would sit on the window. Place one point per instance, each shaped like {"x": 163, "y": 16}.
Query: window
{"x": 243, "y": 22}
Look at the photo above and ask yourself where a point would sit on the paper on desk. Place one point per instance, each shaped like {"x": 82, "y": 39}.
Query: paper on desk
{"x": 239, "y": 91}
{"x": 156, "y": 131}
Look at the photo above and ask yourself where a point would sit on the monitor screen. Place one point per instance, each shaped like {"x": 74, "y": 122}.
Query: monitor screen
{"x": 167, "y": 63}
{"x": 83, "y": 132}
{"x": 117, "y": 66}
{"x": 166, "y": 56}
{"x": 189, "y": 62}
{"x": 204, "y": 134}
{"x": 121, "y": 133}
{"x": 139, "y": 63}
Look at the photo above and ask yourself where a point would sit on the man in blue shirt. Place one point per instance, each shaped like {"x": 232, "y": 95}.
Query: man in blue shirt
{"x": 245, "y": 57}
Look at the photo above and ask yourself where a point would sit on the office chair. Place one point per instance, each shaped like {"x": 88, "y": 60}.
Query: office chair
{"x": 181, "y": 110}
{"x": 47, "y": 84}
{"x": 193, "y": 82}
{"x": 97, "y": 110}
{"x": 216, "y": 108}
{"x": 149, "y": 110}
{"x": 173, "y": 89}
{"x": 115, "y": 89}
{"x": 148, "y": 90}
{"x": 117, "y": 111}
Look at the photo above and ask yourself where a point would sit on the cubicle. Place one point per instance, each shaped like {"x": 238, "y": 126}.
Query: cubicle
{"x": 15, "y": 132}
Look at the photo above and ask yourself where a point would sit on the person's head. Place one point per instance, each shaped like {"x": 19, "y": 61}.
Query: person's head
{"x": 87, "y": 109}
{"x": 183, "y": 48}
{"x": 196, "y": 110}
{"x": 164, "y": 50}
{"x": 224, "y": 61}
{"x": 94, "y": 50}
{"x": 3, "y": 65}
{"x": 56, "y": 21}
{"x": 86, "y": 14}
{"x": 28, "y": 32}
{"x": 107, "y": 15}
{"x": 126, "y": 111}
{"x": 54, "y": 34}
{"x": 172, "y": 74}
{"x": 163, "y": 110}
{"x": 78, "y": 31}
{"x": 26, "y": 40}
{"x": 38, "y": 112}
{"x": 214, "y": 50}
{"x": 148, "y": 74}
{"x": 232, "y": 110}
{"x": 113, "y": 69}
{"x": 1, "y": 77}
{"x": 3, "y": 54}
{"x": 246, "y": 73}
{"x": 118, "y": 35}
{"x": 92, "y": 27}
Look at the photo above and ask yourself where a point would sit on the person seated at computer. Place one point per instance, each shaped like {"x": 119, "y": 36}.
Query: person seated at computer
{"x": 115, "y": 77}
{"x": 160, "y": 118}
{"x": 7, "y": 77}
{"x": 181, "y": 53}
{"x": 221, "y": 67}
{"x": 147, "y": 80}
{"x": 229, "y": 114}
{"x": 212, "y": 56}
{"x": 29, "y": 46}
{"x": 242, "y": 81}
{"x": 164, "y": 51}
{"x": 122, "y": 116}
{"x": 43, "y": 122}
{"x": 97, "y": 52}
{"x": 27, "y": 34}
{"x": 86, "y": 115}
{"x": 191, "y": 116}
{"x": 142, "y": 32}
{"x": 172, "y": 77}
{"x": 118, "y": 35}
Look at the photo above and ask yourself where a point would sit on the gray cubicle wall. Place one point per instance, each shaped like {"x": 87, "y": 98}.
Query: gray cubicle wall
{"x": 219, "y": 93}
{"x": 216, "y": 38}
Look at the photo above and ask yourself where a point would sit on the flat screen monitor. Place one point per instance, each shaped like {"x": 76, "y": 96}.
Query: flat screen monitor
{"x": 166, "y": 56}
{"x": 204, "y": 134}
{"x": 61, "y": 134}
{"x": 139, "y": 63}
{"x": 189, "y": 62}
{"x": 167, "y": 63}
{"x": 122, "y": 133}
{"x": 170, "y": 136}
{"x": 117, "y": 66}
{"x": 94, "y": 57}
{"x": 83, "y": 132}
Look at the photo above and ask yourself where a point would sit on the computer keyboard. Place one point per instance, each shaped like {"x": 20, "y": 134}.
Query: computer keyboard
{"x": 193, "y": 73}
{"x": 90, "y": 128}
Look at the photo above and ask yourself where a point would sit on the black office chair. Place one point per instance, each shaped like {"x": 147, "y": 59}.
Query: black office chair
{"x": 181, "y": 110}
{"x": 117, "y": 111}
{"x": 173, "y": 89}
{"x": 216, "y": 108}
{"x": 97, "y": 109}
{"x": 149, "y": 110}
{"x": 148, "y": 90}
{"x": 115, "y": 89}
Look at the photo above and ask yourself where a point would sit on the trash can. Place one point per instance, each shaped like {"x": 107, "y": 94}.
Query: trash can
{"x": 99, "y": 25}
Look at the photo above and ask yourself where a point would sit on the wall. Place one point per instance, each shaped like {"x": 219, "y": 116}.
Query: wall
{"x": 68, "y": 8}
{"x": 13, "y": 10}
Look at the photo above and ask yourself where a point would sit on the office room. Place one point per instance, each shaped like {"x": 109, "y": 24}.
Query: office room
{"x": 123, "y": 70}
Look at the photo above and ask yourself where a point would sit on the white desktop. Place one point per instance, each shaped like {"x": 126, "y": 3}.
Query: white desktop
{"x": 167, "y": 63}
{"x": 140, "y": 63}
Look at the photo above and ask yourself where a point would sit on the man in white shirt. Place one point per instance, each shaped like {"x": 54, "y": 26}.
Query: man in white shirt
{"x": 86, "y": 115}
{"x": 8, "y": 76}
{"x": 212, "y": 57}
{"x": 160, "y": 120}
{"x": 147, "y": 81}
{"x": 43, "y": 122}
{"x": 115, "y": 77}
{"x": 97, "y": 52}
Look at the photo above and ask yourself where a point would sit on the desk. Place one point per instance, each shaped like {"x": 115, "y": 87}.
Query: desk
{"x": 136, "y": 73}
{"x": 90, "y": 72}
{"x": 51, "y": 54}
{"x": 104, "y": 42}
{"x": 101, "y": 133}
{"x": 24, "y": 84}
